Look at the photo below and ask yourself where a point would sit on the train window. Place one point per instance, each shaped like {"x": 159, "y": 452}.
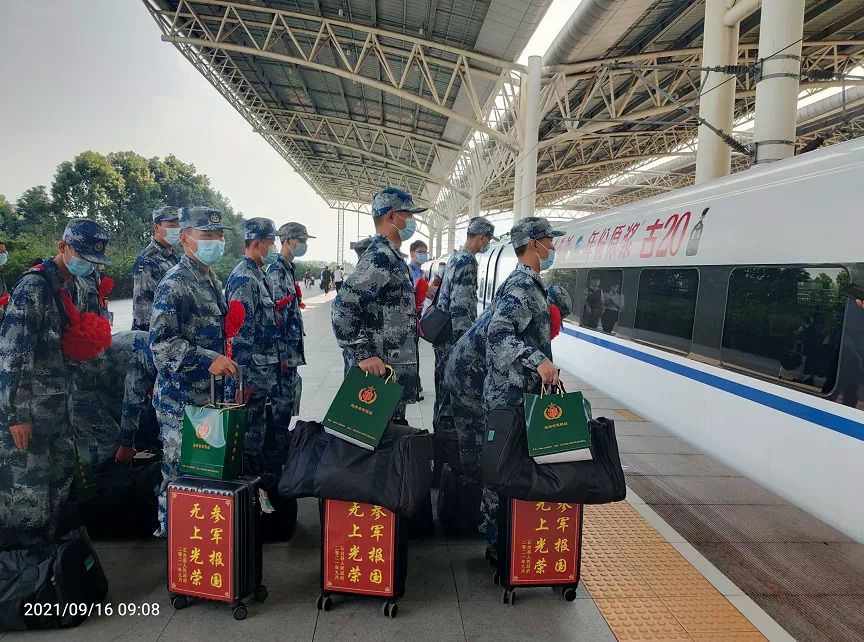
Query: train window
{"x": 666, "y": 308}
{"x": 785, "y": 323}
{"x": 567, "y": 280}
{"x": 603, "y": 300}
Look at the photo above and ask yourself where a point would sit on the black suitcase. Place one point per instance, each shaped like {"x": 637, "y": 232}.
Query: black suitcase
{"x": 459, "y": 499}
{"x": 213, "y": 530}
{"x": 531, "y": 547}
{"x": 336, "y": 569}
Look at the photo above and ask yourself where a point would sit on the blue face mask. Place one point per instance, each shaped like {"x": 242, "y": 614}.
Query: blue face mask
{"x": 3, "y": 258}
{"x": 271, "y": 257}
{"x": 209, "y": 252}
{"x": 422, "y": 257}
{"x": 546, "y": 263}
{"x": 485, "y": 249}
{"x": 80, "y": 267}
{"x": 410, "y": 228}
{"x": 172, "y": 235}
{"x": 300, "y": 250}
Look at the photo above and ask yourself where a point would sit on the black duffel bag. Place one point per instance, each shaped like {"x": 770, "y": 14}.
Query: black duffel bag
{"x": 396, "y": 475}
{"x": 511, "y": 472}
{"x": 50, "y": 586}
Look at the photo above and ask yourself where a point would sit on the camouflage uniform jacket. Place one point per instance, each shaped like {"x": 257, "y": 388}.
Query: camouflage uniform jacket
{"x": 374, "y": 314}
{"x": 152, "y": 264}
{"x": 465, "y": 369}
{"x": 283, "y": 284}
{"x": 124, "y": 376}
{"x": 35, "y": 378}
{"x": 518, "y": 339}
{"x": 257, "y": 343}
{"x": 187, "y": 331}
{"x": 458, "y": 294}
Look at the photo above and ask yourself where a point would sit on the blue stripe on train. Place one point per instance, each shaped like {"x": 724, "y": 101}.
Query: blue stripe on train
{"x": 833, "y": 422}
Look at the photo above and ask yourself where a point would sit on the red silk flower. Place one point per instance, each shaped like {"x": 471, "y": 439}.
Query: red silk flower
{"x": 281, "y": 304}
{"x": 106, "y": 284}
{"x": 4, "y": 300}
{"x": 299, "y": 295}
{"x": 555, "y": 316}
{"x": 233, "y": 322}
{"x": 88, "y": 334}
{"x": 420, "y": 292}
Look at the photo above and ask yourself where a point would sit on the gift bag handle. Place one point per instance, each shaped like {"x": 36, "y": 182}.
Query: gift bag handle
{"x": 390, "y": 376}
{"x": 559, "y": 389}
{"x": 240, "y": 376}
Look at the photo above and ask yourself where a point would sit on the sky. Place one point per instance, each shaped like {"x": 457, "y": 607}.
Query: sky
{"x": 94, "y": 75}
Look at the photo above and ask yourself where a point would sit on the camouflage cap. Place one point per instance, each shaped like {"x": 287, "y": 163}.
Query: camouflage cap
{"x": 295, "y": 231}
{"x": 167, "y": 214}
{"x": 559, "y": 297}
{"x": 258, "y": 228}
{"x": 394, "y": 199}
{"x": 88, "y": 239}
{"x": 361, "y": 246}
{"x": 530, "y": 229}
{"x": 200, "y": 217}
{"x": 479, "y": 225}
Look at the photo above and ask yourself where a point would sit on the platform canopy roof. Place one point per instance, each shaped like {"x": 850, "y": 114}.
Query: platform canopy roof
{"x": 358, "y": 94}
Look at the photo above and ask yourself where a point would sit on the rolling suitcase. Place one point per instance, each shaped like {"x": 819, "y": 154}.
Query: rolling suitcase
{"x": 364, "y": 551}
{"x": 214, "y": 543}
{"x": 539, "y": 545}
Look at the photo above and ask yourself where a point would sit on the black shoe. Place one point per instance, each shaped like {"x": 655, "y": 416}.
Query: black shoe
{"x": 420, "y": 398}
{"x": 492, "y": 555}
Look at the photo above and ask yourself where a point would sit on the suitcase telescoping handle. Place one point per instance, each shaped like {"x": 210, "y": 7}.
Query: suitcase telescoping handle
{"x": 213, "y": 378}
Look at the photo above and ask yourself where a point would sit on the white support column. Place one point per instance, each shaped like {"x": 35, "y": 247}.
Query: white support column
{"x": 780, "y": 34}
{"x": 717, "y": 105}
{"x": 532, "y": 131}
{"x": 438, "y": 241}
{"x": 451, "y": 234}
{"x": 520, "y": 158}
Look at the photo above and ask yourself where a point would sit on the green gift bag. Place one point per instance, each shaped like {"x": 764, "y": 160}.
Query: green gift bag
{"x": 558, "y": 427}
{"x": 85, "y": 476}
{"x": 213, "y": 437}
{"x": 363, "y": 407}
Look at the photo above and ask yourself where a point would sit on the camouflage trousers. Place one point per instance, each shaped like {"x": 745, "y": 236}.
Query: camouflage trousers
{"x": 470, "y": 421}
{"x": 93, "y": 421}
{"x": 35, "y": 483}
{"x": 170, "y": 418}
{"x": 264, "y": 383}
{"x": 441, "y": 354}
{"x": 286, "y": 403}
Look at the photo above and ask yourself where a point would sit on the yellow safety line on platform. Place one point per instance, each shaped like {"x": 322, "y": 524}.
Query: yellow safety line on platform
{"x": 646, "y": 590}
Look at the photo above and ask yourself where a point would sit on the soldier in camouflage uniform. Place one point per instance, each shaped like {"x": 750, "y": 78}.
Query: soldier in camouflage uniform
{"x": 457, "y": 294}
{"x": 374, "y": 315}
{"x": 256, "y": 346}
{"x": 113, "y": 397}
{"x": 37, "y": 456}
{"x": 360, "y": 248}
{"x": 518, "y": 338}
{"x": 187, "y": 335}
{"x": 153, "y": 263}
{"x": 282, "y": 276}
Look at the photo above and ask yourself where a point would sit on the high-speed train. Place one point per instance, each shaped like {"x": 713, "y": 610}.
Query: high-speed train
{"x": 720, "y": 312}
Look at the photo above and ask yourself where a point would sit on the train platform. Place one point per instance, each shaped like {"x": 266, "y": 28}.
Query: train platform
{"x": 696, "y": 553}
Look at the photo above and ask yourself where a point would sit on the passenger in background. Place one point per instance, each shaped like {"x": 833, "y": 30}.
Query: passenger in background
{"x": 153, "y": 263}
{"x": 187, "y": 336}
{"x": 37, "y": 379}
{"x": 256, "y": 346}
{"x": 612, "y": 302}
{"x": 419, "y": 255}
{"x": 457, "y": 294}
{"x": 519, "y": 351}
{"x": 374, "y": 315}
{"x": 282, "y": 275}
{"x": 338, "y": 278}
{"x": 326, "y": 277}
{"x": 437, "y": 277}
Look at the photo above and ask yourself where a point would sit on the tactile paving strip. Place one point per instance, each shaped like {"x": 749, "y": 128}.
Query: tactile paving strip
{"x": 646, "y": 590}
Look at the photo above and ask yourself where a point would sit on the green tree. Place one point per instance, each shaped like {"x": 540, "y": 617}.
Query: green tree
{"x": 88, "y": 186}
{"x": 11, "y": 221}
{"x": 37, "y": 210}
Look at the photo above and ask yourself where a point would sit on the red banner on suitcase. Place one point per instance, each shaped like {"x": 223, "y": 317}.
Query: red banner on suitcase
{"x": 544, "y": 543}
{"x": 359, "y": 548}
{"x": 200, "y": 544}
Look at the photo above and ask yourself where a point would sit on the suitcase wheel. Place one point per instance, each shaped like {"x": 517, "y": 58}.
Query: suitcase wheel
{"x": 508, "y": 597}
{"x": 240, "y": 612}
{"x": 390, "y": 609}
{"x": 179, "y": 602}
{"x": 260, "y": 594}
{"x": 325, "y": 603}
{"x": 496, "y": 579}
{"x": 568, "y": 593}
